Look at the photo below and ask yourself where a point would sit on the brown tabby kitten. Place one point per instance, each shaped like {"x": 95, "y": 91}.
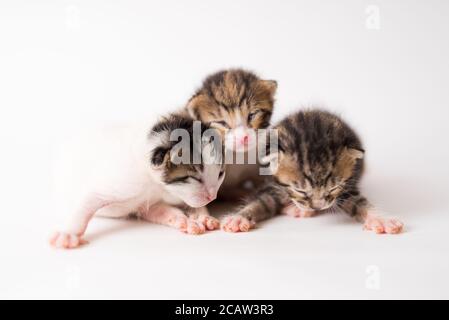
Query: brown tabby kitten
{"x": 237, "y": 103}
{"x": 317, "y": 167}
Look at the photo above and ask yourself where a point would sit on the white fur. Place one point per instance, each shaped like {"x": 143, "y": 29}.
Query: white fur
{"x": 108, "y": 172}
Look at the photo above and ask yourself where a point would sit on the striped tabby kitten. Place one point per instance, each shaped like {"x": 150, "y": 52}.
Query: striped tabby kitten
{"x": 237, "y": 103}
{"x": 317, "y": 167}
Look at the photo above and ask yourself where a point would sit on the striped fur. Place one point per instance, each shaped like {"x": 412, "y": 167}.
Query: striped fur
{"x": 319, "y": 165}
{"x": 236, "y": 102}
{"x": 233, "y": 97}
{"x": 265, "y": 203}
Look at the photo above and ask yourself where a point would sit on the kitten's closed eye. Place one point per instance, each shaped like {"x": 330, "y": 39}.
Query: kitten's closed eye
{"x": 184, "y": 179}
{"x": 334, "y": 191}
{"x": 336, "y": 188}
{"x": 252, "y": 115}
{"x": 301, "y": 192}
{"x": 221, "y": 124}
{"x": 296, "y": 190}
{"x": 196, "y": 179}
{"x": 259, "y": 118}
{"x": 281, "y": 183}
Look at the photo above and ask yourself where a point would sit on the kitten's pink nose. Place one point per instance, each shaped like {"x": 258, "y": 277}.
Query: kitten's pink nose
{"x": 211, "y": 194}
{"x": 211, "y": 197}
{"x": 244, "y": 140}
{"x": 318, "y": 204}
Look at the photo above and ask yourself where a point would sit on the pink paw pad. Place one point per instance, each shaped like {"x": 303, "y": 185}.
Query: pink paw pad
{"x": 383, "y": 225}
{"x": 189, "y": 226}
{"x": 209, "y": 222}
{"x": 194, "y": 227}
{"x": 63, "y": 240}
{"x": 178, "y": 222}
{"x": 294, "y": 211}
{"x": 237, "y": 223}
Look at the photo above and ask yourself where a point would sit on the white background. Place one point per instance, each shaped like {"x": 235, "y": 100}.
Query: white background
{"x": 65, "y": 65}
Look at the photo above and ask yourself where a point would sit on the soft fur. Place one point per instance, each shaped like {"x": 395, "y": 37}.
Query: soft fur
{"x": 317, "y": 167}
{"x": 123, "y": 170}
{"x": 236, "y": 102}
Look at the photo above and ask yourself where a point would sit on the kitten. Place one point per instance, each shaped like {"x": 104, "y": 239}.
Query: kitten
{"x": 119, "y": 171}
{"x": 317, "y": 167}
{"x": 237, "y": 103}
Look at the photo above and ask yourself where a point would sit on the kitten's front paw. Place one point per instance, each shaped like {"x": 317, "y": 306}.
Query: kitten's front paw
{"x": 189, "y": 226}
{"x": 194, "y": 227}
{"x": 209, "y": 222}
{"x": 64, "y": 240}
{"x": 294, "y": 211}
{"x": 383, "y": 225}
{"x": 237, "y": 223}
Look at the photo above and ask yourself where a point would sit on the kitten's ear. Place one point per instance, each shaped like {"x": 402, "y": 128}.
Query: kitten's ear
{"x": 272, "y": 160}
{"x": 159, "y": 139}
{"x": 176, "y": 154}
{"x": 195, "y": 104}
{"x": 273, "y": 152}
{"x": 355, "y": 153}
{"x": 347, "y": 160}
{"x": 269, "y": 157}
{"x": 163, "y": 156}
{"x": 192, "y": 109}
{"x": 213, "y": 147}
{"x": 159, "y": 156}
{"x": 269, "y": 85}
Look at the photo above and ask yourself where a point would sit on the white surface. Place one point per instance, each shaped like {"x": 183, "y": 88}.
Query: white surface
{"x": 65, "y": 65}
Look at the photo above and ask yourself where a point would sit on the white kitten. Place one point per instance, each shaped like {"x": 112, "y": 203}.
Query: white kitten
{"x": 123, "y": 170}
